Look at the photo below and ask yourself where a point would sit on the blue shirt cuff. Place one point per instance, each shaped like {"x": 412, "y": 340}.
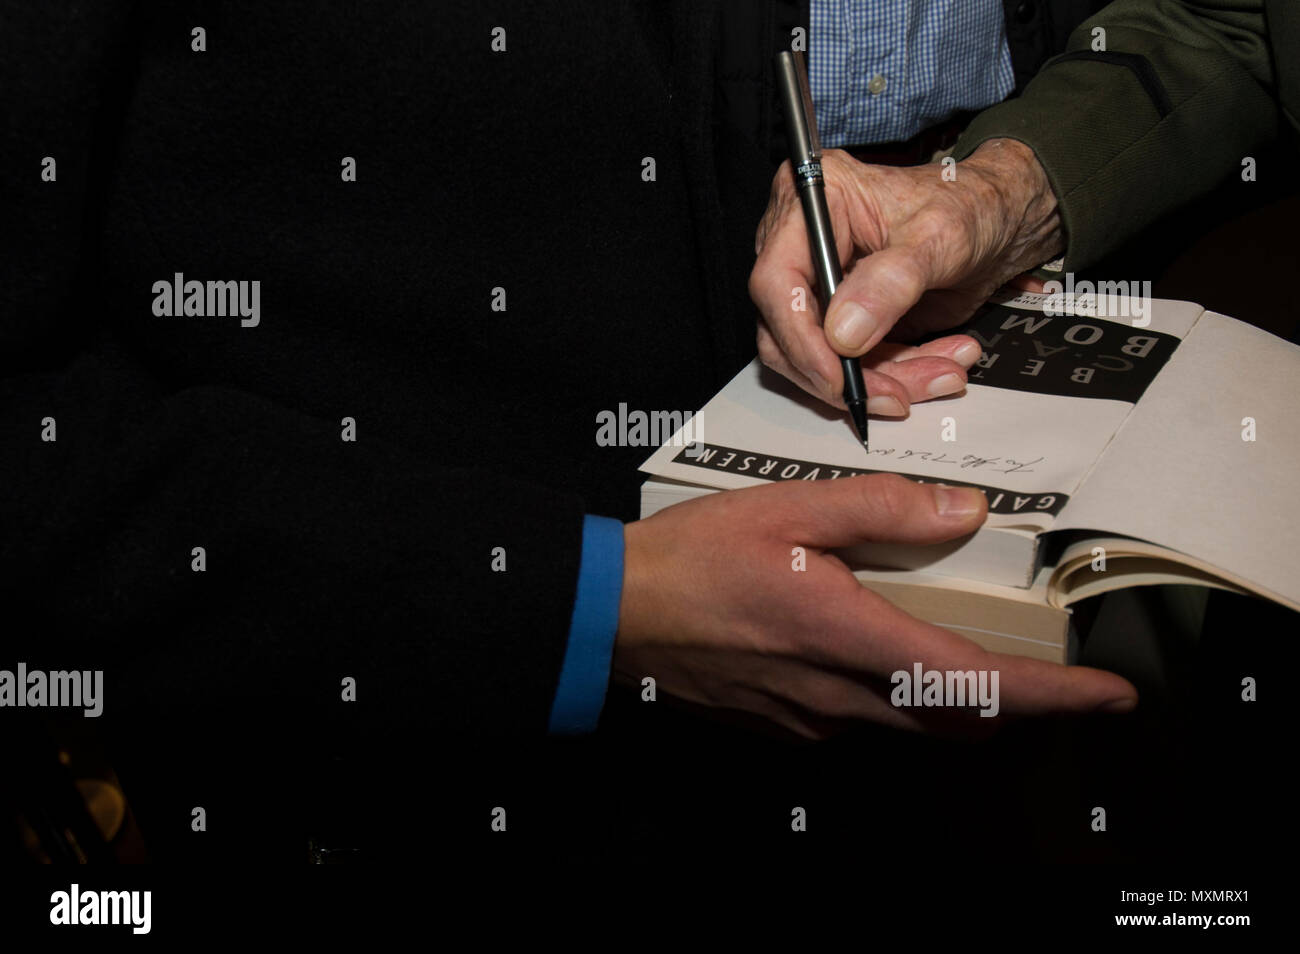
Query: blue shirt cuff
{"x": 584, "y": 674}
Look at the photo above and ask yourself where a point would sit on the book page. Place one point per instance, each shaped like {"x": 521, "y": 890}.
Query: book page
{"x": 1128, "y": 562}
{"x": 1208, "y": 462}
{"x": 1043, "y": 401}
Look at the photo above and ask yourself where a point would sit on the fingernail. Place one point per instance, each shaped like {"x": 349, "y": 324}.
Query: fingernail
{"x": 885, "y": 405}
{"x": 957, "y": 501}
{"x": 945, "y": 384}
{"x": 967, "y": 354}
{"x": 1118, "y": 706}
{"x": 852, "y": 326}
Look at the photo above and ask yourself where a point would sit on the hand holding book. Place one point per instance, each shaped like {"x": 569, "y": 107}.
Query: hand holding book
{"x": 1112, "y": 455}
{"x": 732, "y": 600}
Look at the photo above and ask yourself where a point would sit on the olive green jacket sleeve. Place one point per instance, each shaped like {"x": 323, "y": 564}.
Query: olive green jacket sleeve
{"x": 1152, "y": 104}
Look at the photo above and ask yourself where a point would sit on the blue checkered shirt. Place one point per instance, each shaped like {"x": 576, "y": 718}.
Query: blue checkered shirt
{"x": 883, "y": 70}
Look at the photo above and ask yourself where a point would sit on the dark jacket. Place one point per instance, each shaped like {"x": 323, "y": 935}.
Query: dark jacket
{"x": 475, "y": 429}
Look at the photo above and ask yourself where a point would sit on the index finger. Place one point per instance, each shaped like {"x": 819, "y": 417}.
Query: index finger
{"x": 781, "y": 285}
{"x": 894, "y": 641}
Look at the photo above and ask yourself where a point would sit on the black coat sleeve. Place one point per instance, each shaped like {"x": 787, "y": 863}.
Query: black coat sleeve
{"x": 325, "y": 559}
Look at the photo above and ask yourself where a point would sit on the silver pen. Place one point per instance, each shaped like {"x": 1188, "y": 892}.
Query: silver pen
{"x": 806, "y": 156}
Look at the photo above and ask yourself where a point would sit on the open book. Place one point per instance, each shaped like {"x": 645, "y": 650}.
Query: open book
{"x": 1114, "y": 452}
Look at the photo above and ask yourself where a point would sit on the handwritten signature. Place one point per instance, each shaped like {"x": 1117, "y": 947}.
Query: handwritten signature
{"x": 965, "y": 462}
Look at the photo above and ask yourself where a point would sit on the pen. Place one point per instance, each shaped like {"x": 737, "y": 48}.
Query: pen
{"x": 806, "y": 156}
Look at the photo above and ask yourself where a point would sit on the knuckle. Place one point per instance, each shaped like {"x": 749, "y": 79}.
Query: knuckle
{"x": 837, "y": 160}
{"x": 758, "y": 293}
{"x": 909, "y": 271}
{"x": 768, "y": 352}
{"x": 889, "y": 496}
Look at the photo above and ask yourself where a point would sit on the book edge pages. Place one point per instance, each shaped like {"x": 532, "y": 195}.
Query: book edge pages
{"x": 1131, "y": 562}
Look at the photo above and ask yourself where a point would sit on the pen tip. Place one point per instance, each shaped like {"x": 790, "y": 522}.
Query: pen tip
{"x": 858, "y": 411}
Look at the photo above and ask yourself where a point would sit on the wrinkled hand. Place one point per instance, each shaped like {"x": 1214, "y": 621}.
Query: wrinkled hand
{"x": 714, "y": 610}
{"x": 919, "y": 254}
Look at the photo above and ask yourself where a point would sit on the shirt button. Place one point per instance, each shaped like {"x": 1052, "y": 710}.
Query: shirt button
{"x": 877, "y": 85}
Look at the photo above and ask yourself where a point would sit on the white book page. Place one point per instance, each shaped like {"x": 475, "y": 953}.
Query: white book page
{"x": 1180, "y": 474}
{"x": 1027, "y": 447}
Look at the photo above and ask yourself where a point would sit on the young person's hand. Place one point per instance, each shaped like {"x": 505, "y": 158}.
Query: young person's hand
{"x": 715, "y": 611}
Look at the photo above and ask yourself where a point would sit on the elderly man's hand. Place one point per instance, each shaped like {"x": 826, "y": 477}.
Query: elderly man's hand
{"x": 920, "y": 254}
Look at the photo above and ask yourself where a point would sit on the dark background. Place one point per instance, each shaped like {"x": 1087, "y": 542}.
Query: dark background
{"x": 1194, "y": 776}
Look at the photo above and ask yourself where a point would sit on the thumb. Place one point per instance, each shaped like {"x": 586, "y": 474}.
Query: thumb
{"x": 884, "y": 508}
{"x": 880, "y": 289}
